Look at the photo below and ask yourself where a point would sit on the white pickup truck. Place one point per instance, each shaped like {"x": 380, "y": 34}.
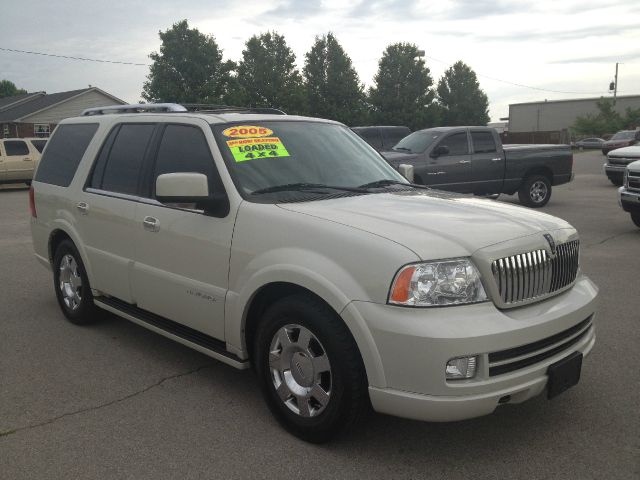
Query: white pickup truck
{"x": 288, "y": 244}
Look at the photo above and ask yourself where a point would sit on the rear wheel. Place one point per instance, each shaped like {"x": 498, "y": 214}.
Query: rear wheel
{"x": 71, "y": 285}
{"x": 309, "y": 369}
{"x": 635, "y": 218}
{"x": 535, "y": 191}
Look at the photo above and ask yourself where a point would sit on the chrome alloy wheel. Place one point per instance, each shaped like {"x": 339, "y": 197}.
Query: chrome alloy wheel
{"x": 300, "y": 370}
{"x": 70, "y": 282}
{"x": 538, "y": 191}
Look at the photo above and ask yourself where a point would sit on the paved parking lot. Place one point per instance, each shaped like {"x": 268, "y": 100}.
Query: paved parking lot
{"x": 117, "y": 401}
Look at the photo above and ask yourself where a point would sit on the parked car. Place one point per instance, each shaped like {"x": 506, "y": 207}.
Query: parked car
{"x": 624, "y": 138}
{"x": 590, "y": 143}
{"x": 629, "y": 193}
{"x": 287, "y": 244}
{"x": 18, "y": 159}
{"x": 382, "y": 138}
{"x": 617, "y": 162}
{"x": 473, "y": 160}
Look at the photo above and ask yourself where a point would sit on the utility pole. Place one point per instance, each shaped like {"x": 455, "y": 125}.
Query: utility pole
{"x": 614, "y": 85}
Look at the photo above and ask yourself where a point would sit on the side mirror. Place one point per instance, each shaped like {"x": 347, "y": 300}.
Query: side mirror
{"x": 440, "y": 150}
{"x": 191, "y": 188}
{"x": 182, "y": 188}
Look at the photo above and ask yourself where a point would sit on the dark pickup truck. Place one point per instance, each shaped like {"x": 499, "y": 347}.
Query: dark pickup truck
{"x": 473, "y": 160}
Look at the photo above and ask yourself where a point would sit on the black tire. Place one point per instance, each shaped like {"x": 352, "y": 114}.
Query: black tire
{"x": 348, "y": 397}
{"x": 84, "y": 311}
{"x": 635, "y": 218}
{"x": 535, "y": 191}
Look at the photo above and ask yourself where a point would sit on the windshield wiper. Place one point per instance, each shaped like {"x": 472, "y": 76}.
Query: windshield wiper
{"x": 306, "y": 186}
{"x": 403, "y": 149}
{"x": 387, "y": 181}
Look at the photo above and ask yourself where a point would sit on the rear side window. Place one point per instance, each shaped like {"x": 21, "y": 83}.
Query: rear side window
{"x": 121, "y": 172}
{"x": 66, "y": 148}
{"x": 483, "y": 142}
{"x": 39, "y": 144}
{"x": 391, "y": 136}
{"x": 457, "y": 144}
{"x": 16, "y": 147}
{"x": 371, "y": 136}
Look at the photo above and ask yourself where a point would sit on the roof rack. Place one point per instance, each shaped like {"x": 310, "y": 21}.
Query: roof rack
{"x": 135, "y": 108}
{"x": 174, "y": 108}
{"x": 206, "y": 108}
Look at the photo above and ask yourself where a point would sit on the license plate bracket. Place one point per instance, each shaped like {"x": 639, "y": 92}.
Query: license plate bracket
{"x": 563, "y": 374}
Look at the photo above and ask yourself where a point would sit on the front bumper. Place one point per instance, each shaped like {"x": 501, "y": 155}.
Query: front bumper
{"x": 615, "y": 172}
{"x": 412, "y": 345}
{"x": 628, "y": 200}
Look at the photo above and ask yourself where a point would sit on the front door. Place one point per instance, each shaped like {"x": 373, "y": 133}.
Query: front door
{"x": 452, "y": 170}
{"x": 19, "y": 160}
{"x": 181, "y": 264}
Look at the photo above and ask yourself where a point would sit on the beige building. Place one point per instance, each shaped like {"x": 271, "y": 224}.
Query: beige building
{"x": 550, "y": 121}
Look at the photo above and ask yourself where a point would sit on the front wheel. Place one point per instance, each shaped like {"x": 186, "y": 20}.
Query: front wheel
{"x": 309, "y": 369}
{"x": 535, "y": 191}
{"x": 635, "y": 218}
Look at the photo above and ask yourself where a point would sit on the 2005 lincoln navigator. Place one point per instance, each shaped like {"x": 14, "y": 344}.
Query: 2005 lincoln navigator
{"x": 289, "y": 244}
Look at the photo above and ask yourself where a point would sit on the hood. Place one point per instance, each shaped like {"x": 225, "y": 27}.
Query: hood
{"x": 396, "y": 158}
{"x": 627, "y": 152}
{"x": 434, "y": 224}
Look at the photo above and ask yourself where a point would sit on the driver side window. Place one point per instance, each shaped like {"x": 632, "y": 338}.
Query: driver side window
{"x": 456, "y": 143}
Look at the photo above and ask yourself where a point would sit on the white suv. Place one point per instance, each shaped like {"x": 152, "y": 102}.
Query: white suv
{"x": 289, "y": 244}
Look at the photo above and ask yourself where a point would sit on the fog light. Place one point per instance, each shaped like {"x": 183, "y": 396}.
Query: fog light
{"x": 461, "y": 367}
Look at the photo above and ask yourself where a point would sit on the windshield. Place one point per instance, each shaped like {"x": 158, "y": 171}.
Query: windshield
{"x": 417, "y": 142}
{"x": 623, "y": 136}
{"x": 264, "y": 155}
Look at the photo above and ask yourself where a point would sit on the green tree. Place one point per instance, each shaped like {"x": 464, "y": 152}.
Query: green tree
{"x": 631, "y": 119}
{"x": 607, "y": 120}
{"x": 460, "y": 99}
{"x": 8, "y": 89}
{"x": 402, "y": 93}
{"x": 332, "y": 86}
{"x": 188, "y": 69}
{"x": 267, "y": 74}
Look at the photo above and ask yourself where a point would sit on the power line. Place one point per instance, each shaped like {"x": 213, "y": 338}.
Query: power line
{"x": 74, "y": 58}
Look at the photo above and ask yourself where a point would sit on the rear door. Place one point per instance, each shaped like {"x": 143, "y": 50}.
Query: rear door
{"x": 19, "y": 160}
{"x": 451, "y": 171}
{"x": 106, "y": 210}
{"x": 487, "y": 162}
{"x": 182, "y": 254}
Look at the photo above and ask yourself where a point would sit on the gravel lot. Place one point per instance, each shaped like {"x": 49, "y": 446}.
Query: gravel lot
{"x": 117, "y": 401}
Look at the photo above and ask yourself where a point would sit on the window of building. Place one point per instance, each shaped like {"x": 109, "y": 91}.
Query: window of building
{"x": 5, "y": 130}
{"x": 41, "y": 129}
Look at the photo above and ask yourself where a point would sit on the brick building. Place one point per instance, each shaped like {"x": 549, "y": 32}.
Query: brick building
{"x": 37, "y": 114}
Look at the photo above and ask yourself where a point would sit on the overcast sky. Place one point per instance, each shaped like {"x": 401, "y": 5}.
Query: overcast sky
{"x": 563, "y": 45}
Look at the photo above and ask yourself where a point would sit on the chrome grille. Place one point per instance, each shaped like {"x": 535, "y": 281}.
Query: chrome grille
{"x": 535, "y": 274}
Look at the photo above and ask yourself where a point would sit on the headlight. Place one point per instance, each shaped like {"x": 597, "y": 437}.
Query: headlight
{"x": 432, "y": 284}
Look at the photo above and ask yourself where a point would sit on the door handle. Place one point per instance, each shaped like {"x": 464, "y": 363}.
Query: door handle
{"x": 496, "y": 159}
{"x": 464, "y": 161}
{"x": 83, "y": 208}
{"x": 151, "y": 224}
{"x": 436, "y": 173}
{"x": 26, "y": 159}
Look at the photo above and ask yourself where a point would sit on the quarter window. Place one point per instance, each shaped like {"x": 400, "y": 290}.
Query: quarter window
{"x": 457, "y": 144}
{"x": 483, "y": 142}
{"x": 123, "y": 165}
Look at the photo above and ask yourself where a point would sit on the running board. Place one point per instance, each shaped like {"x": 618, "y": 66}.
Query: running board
{"x": 187, "y": 336}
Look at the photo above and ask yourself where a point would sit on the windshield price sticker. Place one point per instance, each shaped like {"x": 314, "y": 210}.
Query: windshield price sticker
{"x": 247, "y": 131}
{"x": 253, "y": 148}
